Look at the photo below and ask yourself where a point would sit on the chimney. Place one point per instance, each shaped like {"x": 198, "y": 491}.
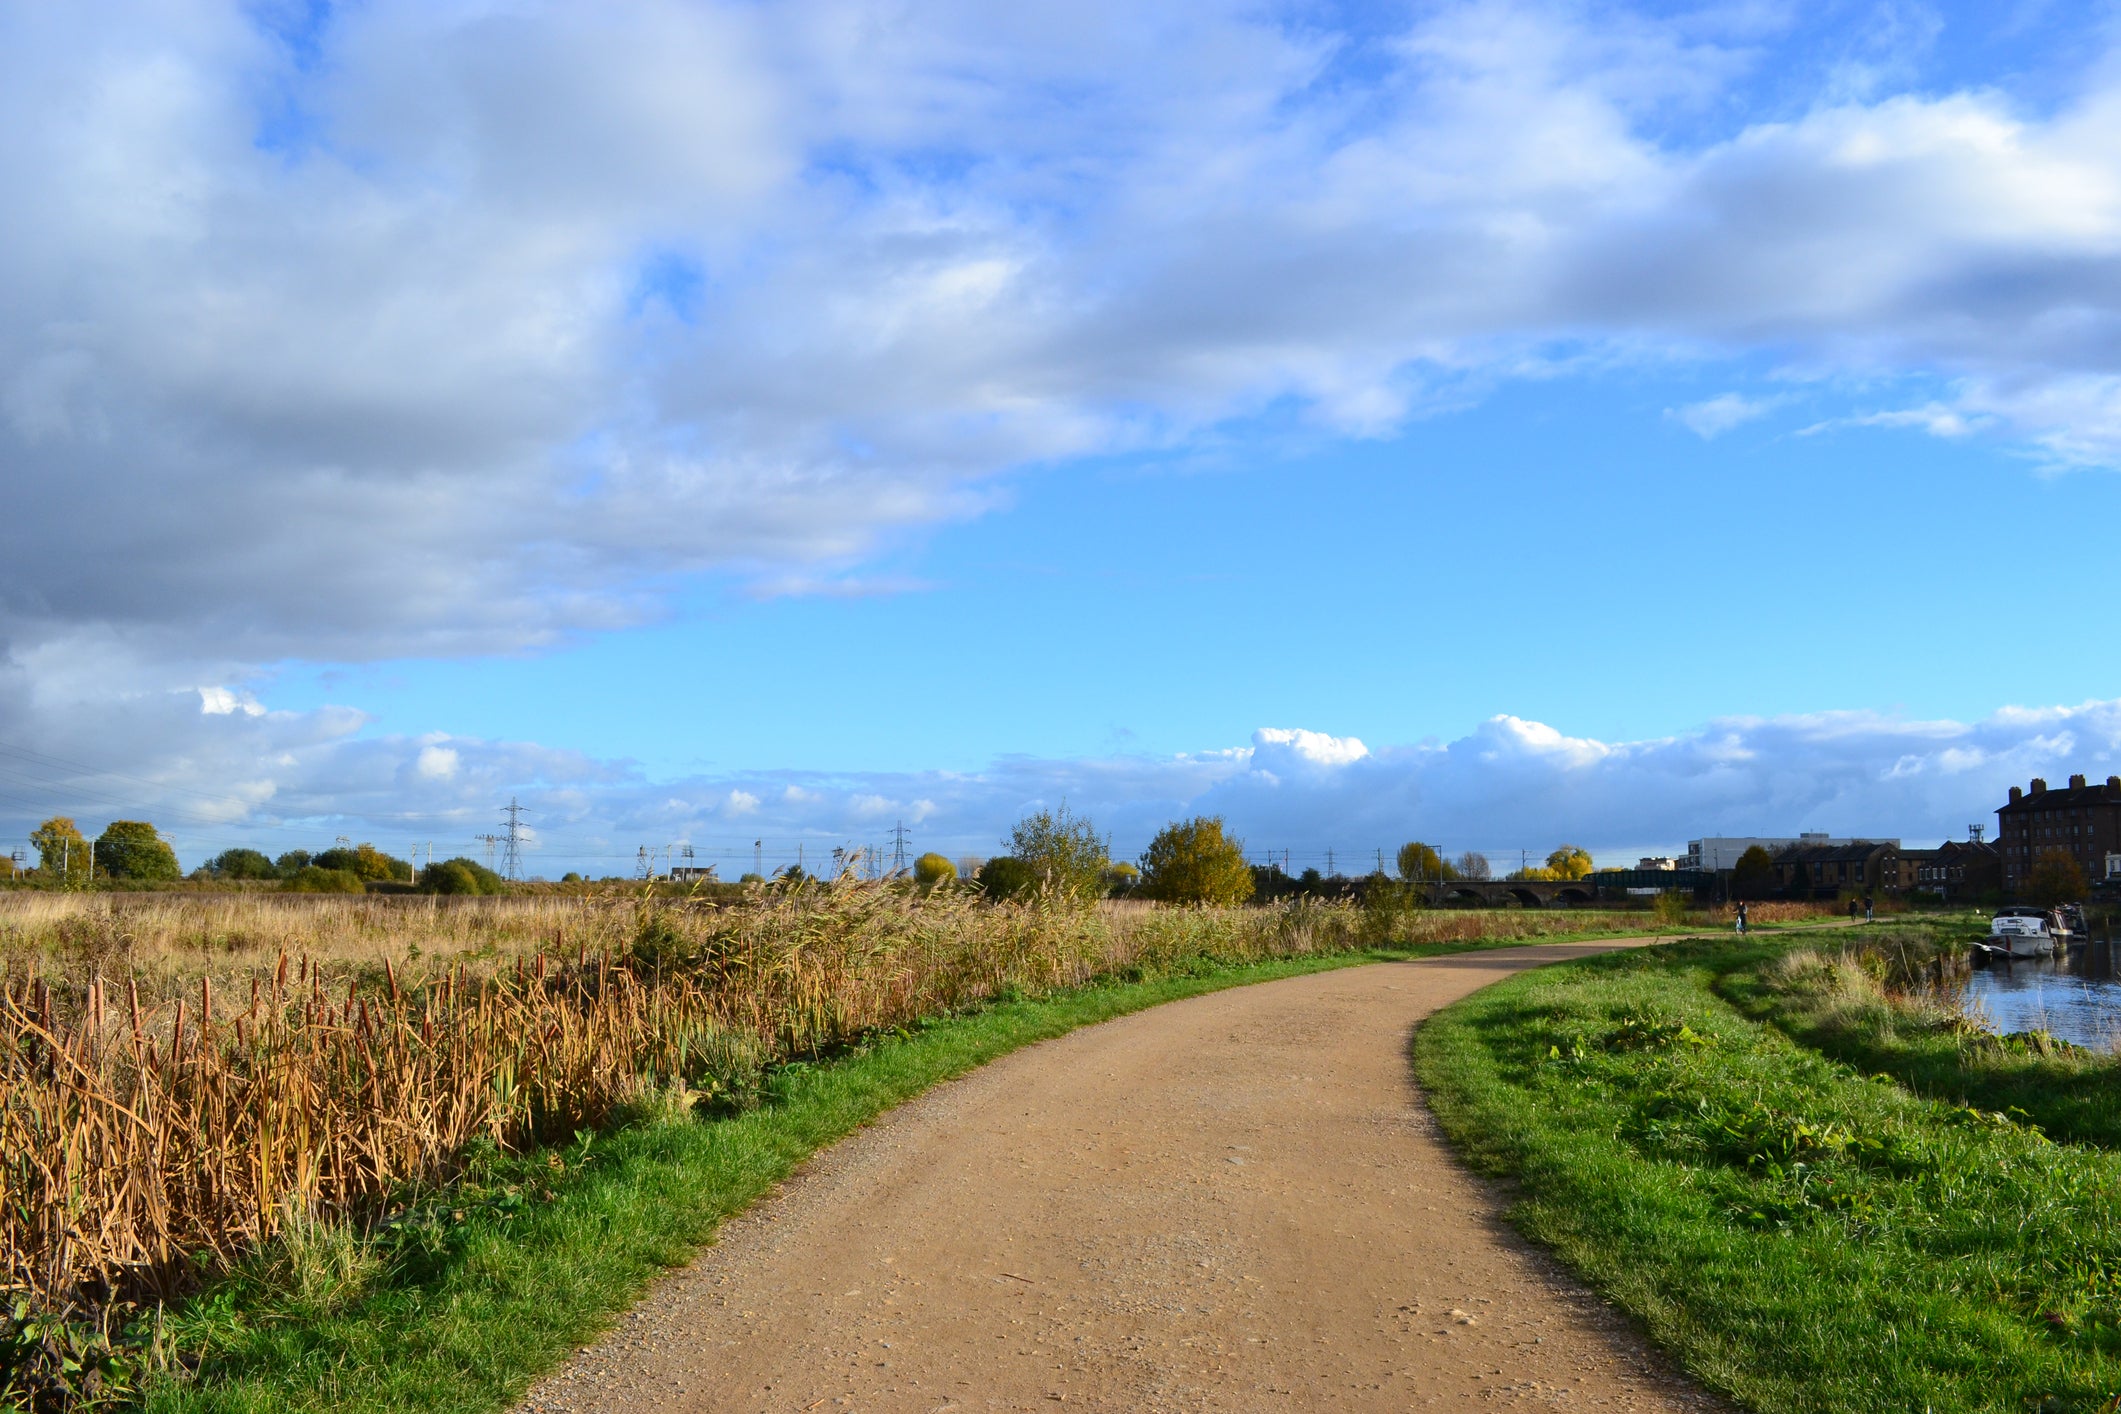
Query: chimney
{"x": 2039, "y": 785}
{"x": 2076, "y": 783}
{"x": 2016, "y": 795}
{"x": 2113, "y": 782}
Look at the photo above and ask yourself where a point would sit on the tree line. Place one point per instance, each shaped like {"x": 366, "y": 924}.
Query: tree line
{"x": 133, "y": 851}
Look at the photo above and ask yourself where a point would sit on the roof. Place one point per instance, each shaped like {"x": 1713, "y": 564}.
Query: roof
{"x": 2106, "y": 792}
{"x": 1833, "y": 854}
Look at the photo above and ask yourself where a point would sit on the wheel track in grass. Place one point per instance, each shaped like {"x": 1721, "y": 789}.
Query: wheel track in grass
{"x": 1233, "y": 1202}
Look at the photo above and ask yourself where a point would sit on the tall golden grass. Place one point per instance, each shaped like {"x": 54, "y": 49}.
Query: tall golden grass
{"x": 183, "y": 1080}
{"x": 148, "y": 1135}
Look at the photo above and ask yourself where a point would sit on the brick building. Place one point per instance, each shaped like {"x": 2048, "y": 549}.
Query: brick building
{"x": 2082, "y": 820}
{"x": 1959, "y": 871}
{"x": 1865, "y": 866}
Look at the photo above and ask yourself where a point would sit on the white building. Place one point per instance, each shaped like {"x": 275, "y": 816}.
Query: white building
{"x": 1722, "y": 852}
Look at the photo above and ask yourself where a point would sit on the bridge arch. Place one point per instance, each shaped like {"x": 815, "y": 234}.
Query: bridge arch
{"x": 1528, "y": 897}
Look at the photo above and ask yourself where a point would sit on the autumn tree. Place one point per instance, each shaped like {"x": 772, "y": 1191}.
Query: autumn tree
{"x": 1421, "y": 861}
{"x": 1193, "y": 861}
{"x": 2056, "y": 878}
{"x": 62, "y": 850}
{"x": 1570, "y": 862}
{"x": 1473, "y": 865}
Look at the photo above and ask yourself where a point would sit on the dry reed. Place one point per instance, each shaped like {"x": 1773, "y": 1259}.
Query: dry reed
{"x": 184, "y": 1080}
{"x": 151, "y": 1135}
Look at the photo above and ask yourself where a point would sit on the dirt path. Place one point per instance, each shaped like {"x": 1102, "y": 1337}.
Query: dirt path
{"x": 1233, "y": 1202}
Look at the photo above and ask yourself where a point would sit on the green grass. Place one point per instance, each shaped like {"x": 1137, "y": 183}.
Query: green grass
{"x": 1801, "y": 1236}
{"x": 492, "y": 1285}
{"x": 2069, "y": 1092}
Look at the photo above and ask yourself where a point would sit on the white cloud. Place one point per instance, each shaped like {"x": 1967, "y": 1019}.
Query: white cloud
{"x": 1936, "y": 418}
{"x": 1713, "y": 417}
{"x": 1283, "y": 749}
{"x": 493, "y": 322}
{"x": 437, "y": 763}
{"x": 221, "y": 701}
{"x": 1508, "y": 784}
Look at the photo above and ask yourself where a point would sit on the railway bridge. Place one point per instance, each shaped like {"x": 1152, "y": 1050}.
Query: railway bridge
{"x": 1612, "y": 885}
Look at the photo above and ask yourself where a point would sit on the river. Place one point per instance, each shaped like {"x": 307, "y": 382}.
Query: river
{"x": 2077, "y": 998}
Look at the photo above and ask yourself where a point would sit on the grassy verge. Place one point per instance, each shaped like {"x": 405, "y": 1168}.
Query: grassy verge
{"x": 1873, "y": 1000}
{"x": 1800, "y": 1236}
{"x": 462, "y": 1304}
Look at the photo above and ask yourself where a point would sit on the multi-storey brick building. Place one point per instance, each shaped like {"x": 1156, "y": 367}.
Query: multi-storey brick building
{"x": 2082, "y": 820}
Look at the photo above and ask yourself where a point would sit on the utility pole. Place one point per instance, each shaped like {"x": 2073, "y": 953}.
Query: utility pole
{"x": 489, "y": 841}
{"x": 512, "y": 856}
{"x": 1330, "y": 873}
{"x": 644, "y": 864}
{"x": 898, "y": 848}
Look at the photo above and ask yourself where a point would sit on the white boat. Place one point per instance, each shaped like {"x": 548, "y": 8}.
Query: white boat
{"x": 2025, "y": 932}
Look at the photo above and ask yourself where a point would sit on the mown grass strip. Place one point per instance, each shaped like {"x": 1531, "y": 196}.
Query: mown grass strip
{"x": 1802, "y": 1237}
{"x": 509, "y": 1297}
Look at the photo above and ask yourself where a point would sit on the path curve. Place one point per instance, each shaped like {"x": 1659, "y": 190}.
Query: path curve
{"x": 1233, "y": 1202}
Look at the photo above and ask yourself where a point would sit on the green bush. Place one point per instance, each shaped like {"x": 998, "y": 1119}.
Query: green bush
{"x": 1005, "y": 877}
{"x": 932, "y": 869}
{"x": 461, "y": 876}
{"x": 312, "y": 880}
{"x": 365, "y": 861}
{"x": 241, "y": 864}
{"x": 130, "y": 849}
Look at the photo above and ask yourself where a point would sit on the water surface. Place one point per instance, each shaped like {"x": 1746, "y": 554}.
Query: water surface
{"x": 2077, "y": 998}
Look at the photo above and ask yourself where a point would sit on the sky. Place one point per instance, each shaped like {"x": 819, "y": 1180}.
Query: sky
{"x": 1496, "y": 423}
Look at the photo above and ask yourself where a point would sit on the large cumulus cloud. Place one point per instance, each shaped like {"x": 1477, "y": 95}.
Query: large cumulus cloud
{"x": 403, "y": 328}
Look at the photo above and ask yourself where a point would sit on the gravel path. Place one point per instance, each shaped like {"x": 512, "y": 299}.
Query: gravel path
{"x": 1234, "y": 1202}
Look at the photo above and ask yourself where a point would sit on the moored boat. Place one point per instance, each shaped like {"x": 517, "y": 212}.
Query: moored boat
{"x": 2021, "y": 931}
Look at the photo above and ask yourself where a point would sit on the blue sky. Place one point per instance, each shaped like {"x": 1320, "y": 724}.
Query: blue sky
{"x": 1490, "y": 422}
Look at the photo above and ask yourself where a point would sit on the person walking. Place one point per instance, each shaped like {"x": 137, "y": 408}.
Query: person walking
{"x": 1869, "y": 911}
{"x": 1741, "y": 918}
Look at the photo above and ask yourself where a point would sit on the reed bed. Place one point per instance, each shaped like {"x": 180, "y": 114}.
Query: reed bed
{"x": 166, "y": 1110}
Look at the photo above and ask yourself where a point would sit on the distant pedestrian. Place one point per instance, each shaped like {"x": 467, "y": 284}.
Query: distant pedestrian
{"x": 1741, "y": 917}
{"x": 1852, "y": 910}
{"x": 1869, "y": 910}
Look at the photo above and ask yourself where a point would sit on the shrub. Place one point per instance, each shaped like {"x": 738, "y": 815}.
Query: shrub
{"x": 462, "y": 876}
{"x": 1063, "y": 852}
{"x": 130, "y": 849}
{"x": 364, "y": 861}
{"x": 932, "y": 869}
{"x": 1005, "y": 877}
{"x": 1195, "y": 862}
{"x": 312, "y": 880}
